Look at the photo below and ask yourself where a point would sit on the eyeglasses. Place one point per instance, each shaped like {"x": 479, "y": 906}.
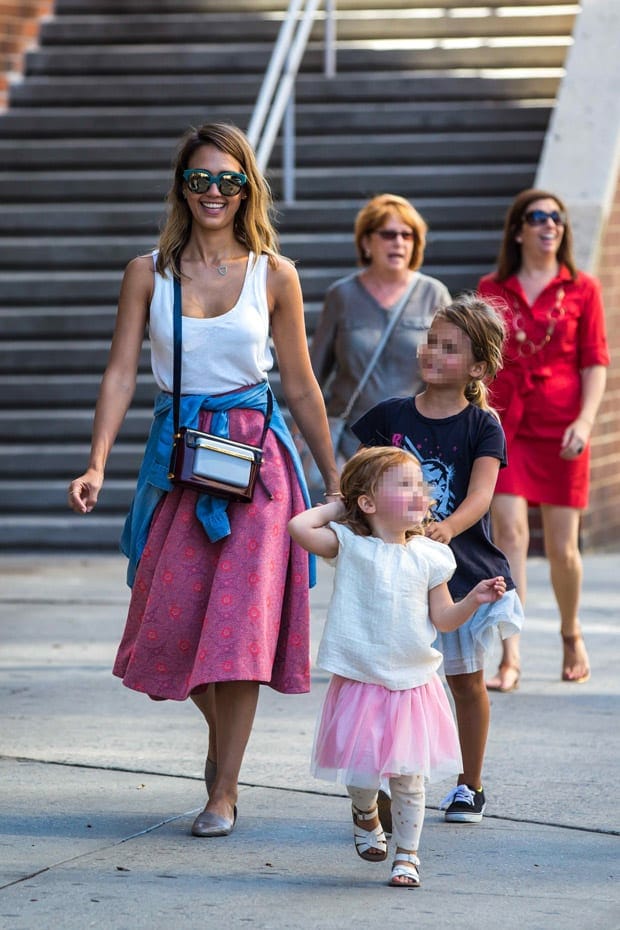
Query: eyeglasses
{"x": 540, "y": 217}
{"x": 390, "y": 235}
{"x": 228, "y": 183}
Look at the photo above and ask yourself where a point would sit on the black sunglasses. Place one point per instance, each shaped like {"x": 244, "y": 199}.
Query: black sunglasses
{"x": 390, "y": 235}
{"x": 228, "y": 183}
{"x": 539, "y": 217}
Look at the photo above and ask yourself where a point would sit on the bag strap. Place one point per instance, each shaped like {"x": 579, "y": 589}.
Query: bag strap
{"x": 395, "y": 316}
{"x": 177, "y": 344}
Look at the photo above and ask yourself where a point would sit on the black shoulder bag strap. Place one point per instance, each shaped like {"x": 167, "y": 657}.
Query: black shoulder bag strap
{"x": 177, "y": 318}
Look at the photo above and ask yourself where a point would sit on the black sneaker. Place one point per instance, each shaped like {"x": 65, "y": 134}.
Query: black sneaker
{"x": 464, "y": 805}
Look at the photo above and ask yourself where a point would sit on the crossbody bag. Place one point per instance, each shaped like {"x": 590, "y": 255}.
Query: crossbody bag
{"x": 202, "y": 461}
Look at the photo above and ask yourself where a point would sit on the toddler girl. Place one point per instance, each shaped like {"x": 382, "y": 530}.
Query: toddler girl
{"x": 385, "y": 714}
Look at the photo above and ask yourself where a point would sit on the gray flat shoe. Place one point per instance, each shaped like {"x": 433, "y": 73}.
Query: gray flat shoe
{"x": 209, "y": 824}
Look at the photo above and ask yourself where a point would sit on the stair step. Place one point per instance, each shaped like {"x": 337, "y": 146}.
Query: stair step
{"x": 503, "y": 84}
{"x": 63, "y": 461}
{"x": 304, "y": 215}
{"x": 93, "y": 253}
{"x": 71, "y": 533}
{"x": 30, "y": 426}
{"x": 410, "y": 181}
{"x": 311, "y": 119}
{"x": 36, "y": 322}
{"x": 27, "y": 497}
{"x": 50, "y": 391}
{"x": 388, "y": 54}
{"x": 351, "y": 25}
{"x": 52, "y": 356}
{"x": 128, "y": 7}
{"x": 390, "y": 148}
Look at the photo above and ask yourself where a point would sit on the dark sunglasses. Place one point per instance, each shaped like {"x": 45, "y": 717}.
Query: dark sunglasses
{"x": 228, "y": 183}
{"x": 539, "y": 217}
{"x": 390, "y": 235}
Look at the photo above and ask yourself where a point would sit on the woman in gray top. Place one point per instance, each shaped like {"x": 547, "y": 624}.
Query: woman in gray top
{"x": 390, "y": 236}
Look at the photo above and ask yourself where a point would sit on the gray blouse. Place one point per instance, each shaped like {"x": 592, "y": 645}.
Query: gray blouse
{"x": 349, "y": 328}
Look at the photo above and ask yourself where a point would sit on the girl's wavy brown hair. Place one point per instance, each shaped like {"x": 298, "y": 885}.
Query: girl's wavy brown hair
{"x": 253, "y": 225}
{"x": 484, "y": 327}
{"x": 361, "y": 475}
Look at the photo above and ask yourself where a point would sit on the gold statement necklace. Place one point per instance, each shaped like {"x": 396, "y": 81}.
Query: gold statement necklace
{"x": 526, "y": 345}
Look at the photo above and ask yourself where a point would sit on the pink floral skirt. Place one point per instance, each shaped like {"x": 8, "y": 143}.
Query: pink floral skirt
{"x": 235, "y": 610}
{"x": 366, "y": 734}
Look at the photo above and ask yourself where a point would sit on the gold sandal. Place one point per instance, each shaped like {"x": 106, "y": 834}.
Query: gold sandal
{"x": 498, "y": 683}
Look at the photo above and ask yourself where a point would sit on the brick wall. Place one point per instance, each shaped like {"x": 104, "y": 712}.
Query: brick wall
{"x": 19, "y": 26}
{"x": 601, "y": 523}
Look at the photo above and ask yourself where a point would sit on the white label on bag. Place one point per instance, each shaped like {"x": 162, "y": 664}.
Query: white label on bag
{"x": 210, "y": 463}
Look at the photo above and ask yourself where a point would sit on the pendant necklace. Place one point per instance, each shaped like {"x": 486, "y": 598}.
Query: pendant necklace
{"x": 222, "y": 267}
{"x": 526, "y": 345}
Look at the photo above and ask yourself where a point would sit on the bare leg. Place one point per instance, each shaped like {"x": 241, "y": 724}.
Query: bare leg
{"x": 471, "y": 703}
{"x": 511, "y": 534}
{"x": 229, "y": 708}
{"x": 205, "y": 702}
{"x": 561, "y": 534}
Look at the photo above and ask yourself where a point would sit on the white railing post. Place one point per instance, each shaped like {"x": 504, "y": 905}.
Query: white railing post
{"x": 275, "y": 104}
{"x": 330, "y": 39}
{"x": 273, "y": 72}
{"x": 288, "y": 150}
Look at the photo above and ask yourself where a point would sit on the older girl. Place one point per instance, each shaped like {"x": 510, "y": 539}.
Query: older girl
{"x": 460, "y": 444}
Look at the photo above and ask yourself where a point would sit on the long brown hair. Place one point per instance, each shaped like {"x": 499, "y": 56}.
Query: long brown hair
{"x": 253, "y": 226}
{"x": 486, "y": 331}
{"x": 361, "y": 475}
{"x": 377, "y": 211}
{"x": 509, "y": 258}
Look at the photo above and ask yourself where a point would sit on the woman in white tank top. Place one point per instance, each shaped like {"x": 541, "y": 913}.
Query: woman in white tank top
{"x": 219, "y": 599}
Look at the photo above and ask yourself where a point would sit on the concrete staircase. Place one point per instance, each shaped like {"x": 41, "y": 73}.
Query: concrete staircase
{"x": 446, "y": 106}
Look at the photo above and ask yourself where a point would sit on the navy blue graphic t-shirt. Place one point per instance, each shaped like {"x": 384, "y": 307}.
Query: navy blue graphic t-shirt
{"x": 446, "y": 449}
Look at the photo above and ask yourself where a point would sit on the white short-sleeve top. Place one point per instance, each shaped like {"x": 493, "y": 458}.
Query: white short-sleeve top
{"x": 378, "y": 628}
{"x": 222, "y": 353}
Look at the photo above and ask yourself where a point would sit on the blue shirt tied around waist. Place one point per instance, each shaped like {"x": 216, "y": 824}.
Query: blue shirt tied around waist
{"x": 153, "y": 481}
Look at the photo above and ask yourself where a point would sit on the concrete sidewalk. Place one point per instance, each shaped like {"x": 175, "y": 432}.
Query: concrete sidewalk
{"x": 100, "y": 786}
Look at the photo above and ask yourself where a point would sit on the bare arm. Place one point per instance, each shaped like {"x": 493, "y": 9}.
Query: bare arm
{"x": 577, "y": 434}
{"x": 448, "y": 616}
{"x": 477, "y": 502}
{"x": 119, "y": 380}
{"x": 310, "y": 529}
{"x": 301, "y": 390}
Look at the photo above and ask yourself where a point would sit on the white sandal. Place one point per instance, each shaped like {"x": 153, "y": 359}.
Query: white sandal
{"x": 402, "y": 871}
{"x": 368, "y": 840}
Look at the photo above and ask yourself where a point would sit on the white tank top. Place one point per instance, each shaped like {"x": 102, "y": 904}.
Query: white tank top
{"x": 219, "y": 354}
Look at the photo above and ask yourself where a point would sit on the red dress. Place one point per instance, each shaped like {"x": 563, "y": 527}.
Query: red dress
{"x": 538, "y": 392}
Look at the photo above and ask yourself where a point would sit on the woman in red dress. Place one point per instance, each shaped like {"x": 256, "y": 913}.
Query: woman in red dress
{"x": 547, "y": 395}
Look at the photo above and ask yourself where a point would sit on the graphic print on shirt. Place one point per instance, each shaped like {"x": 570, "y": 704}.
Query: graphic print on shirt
{"x": 437, "y": 474}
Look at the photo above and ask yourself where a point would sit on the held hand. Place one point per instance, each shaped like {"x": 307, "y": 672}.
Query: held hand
{"x": 575, "y": 439}
{"x": 440, "y": 532}
{"x": 84, "y": 491}
{"x": 489, "y": 590}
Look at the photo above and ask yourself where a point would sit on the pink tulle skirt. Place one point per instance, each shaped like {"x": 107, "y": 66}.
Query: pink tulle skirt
{"x": 366, "y": 733}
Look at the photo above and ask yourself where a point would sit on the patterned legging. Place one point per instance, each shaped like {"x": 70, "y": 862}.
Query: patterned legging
{"x": 408, "y": 797}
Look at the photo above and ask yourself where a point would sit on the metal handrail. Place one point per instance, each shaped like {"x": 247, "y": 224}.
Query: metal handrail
{"x": 275, "y": 102}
